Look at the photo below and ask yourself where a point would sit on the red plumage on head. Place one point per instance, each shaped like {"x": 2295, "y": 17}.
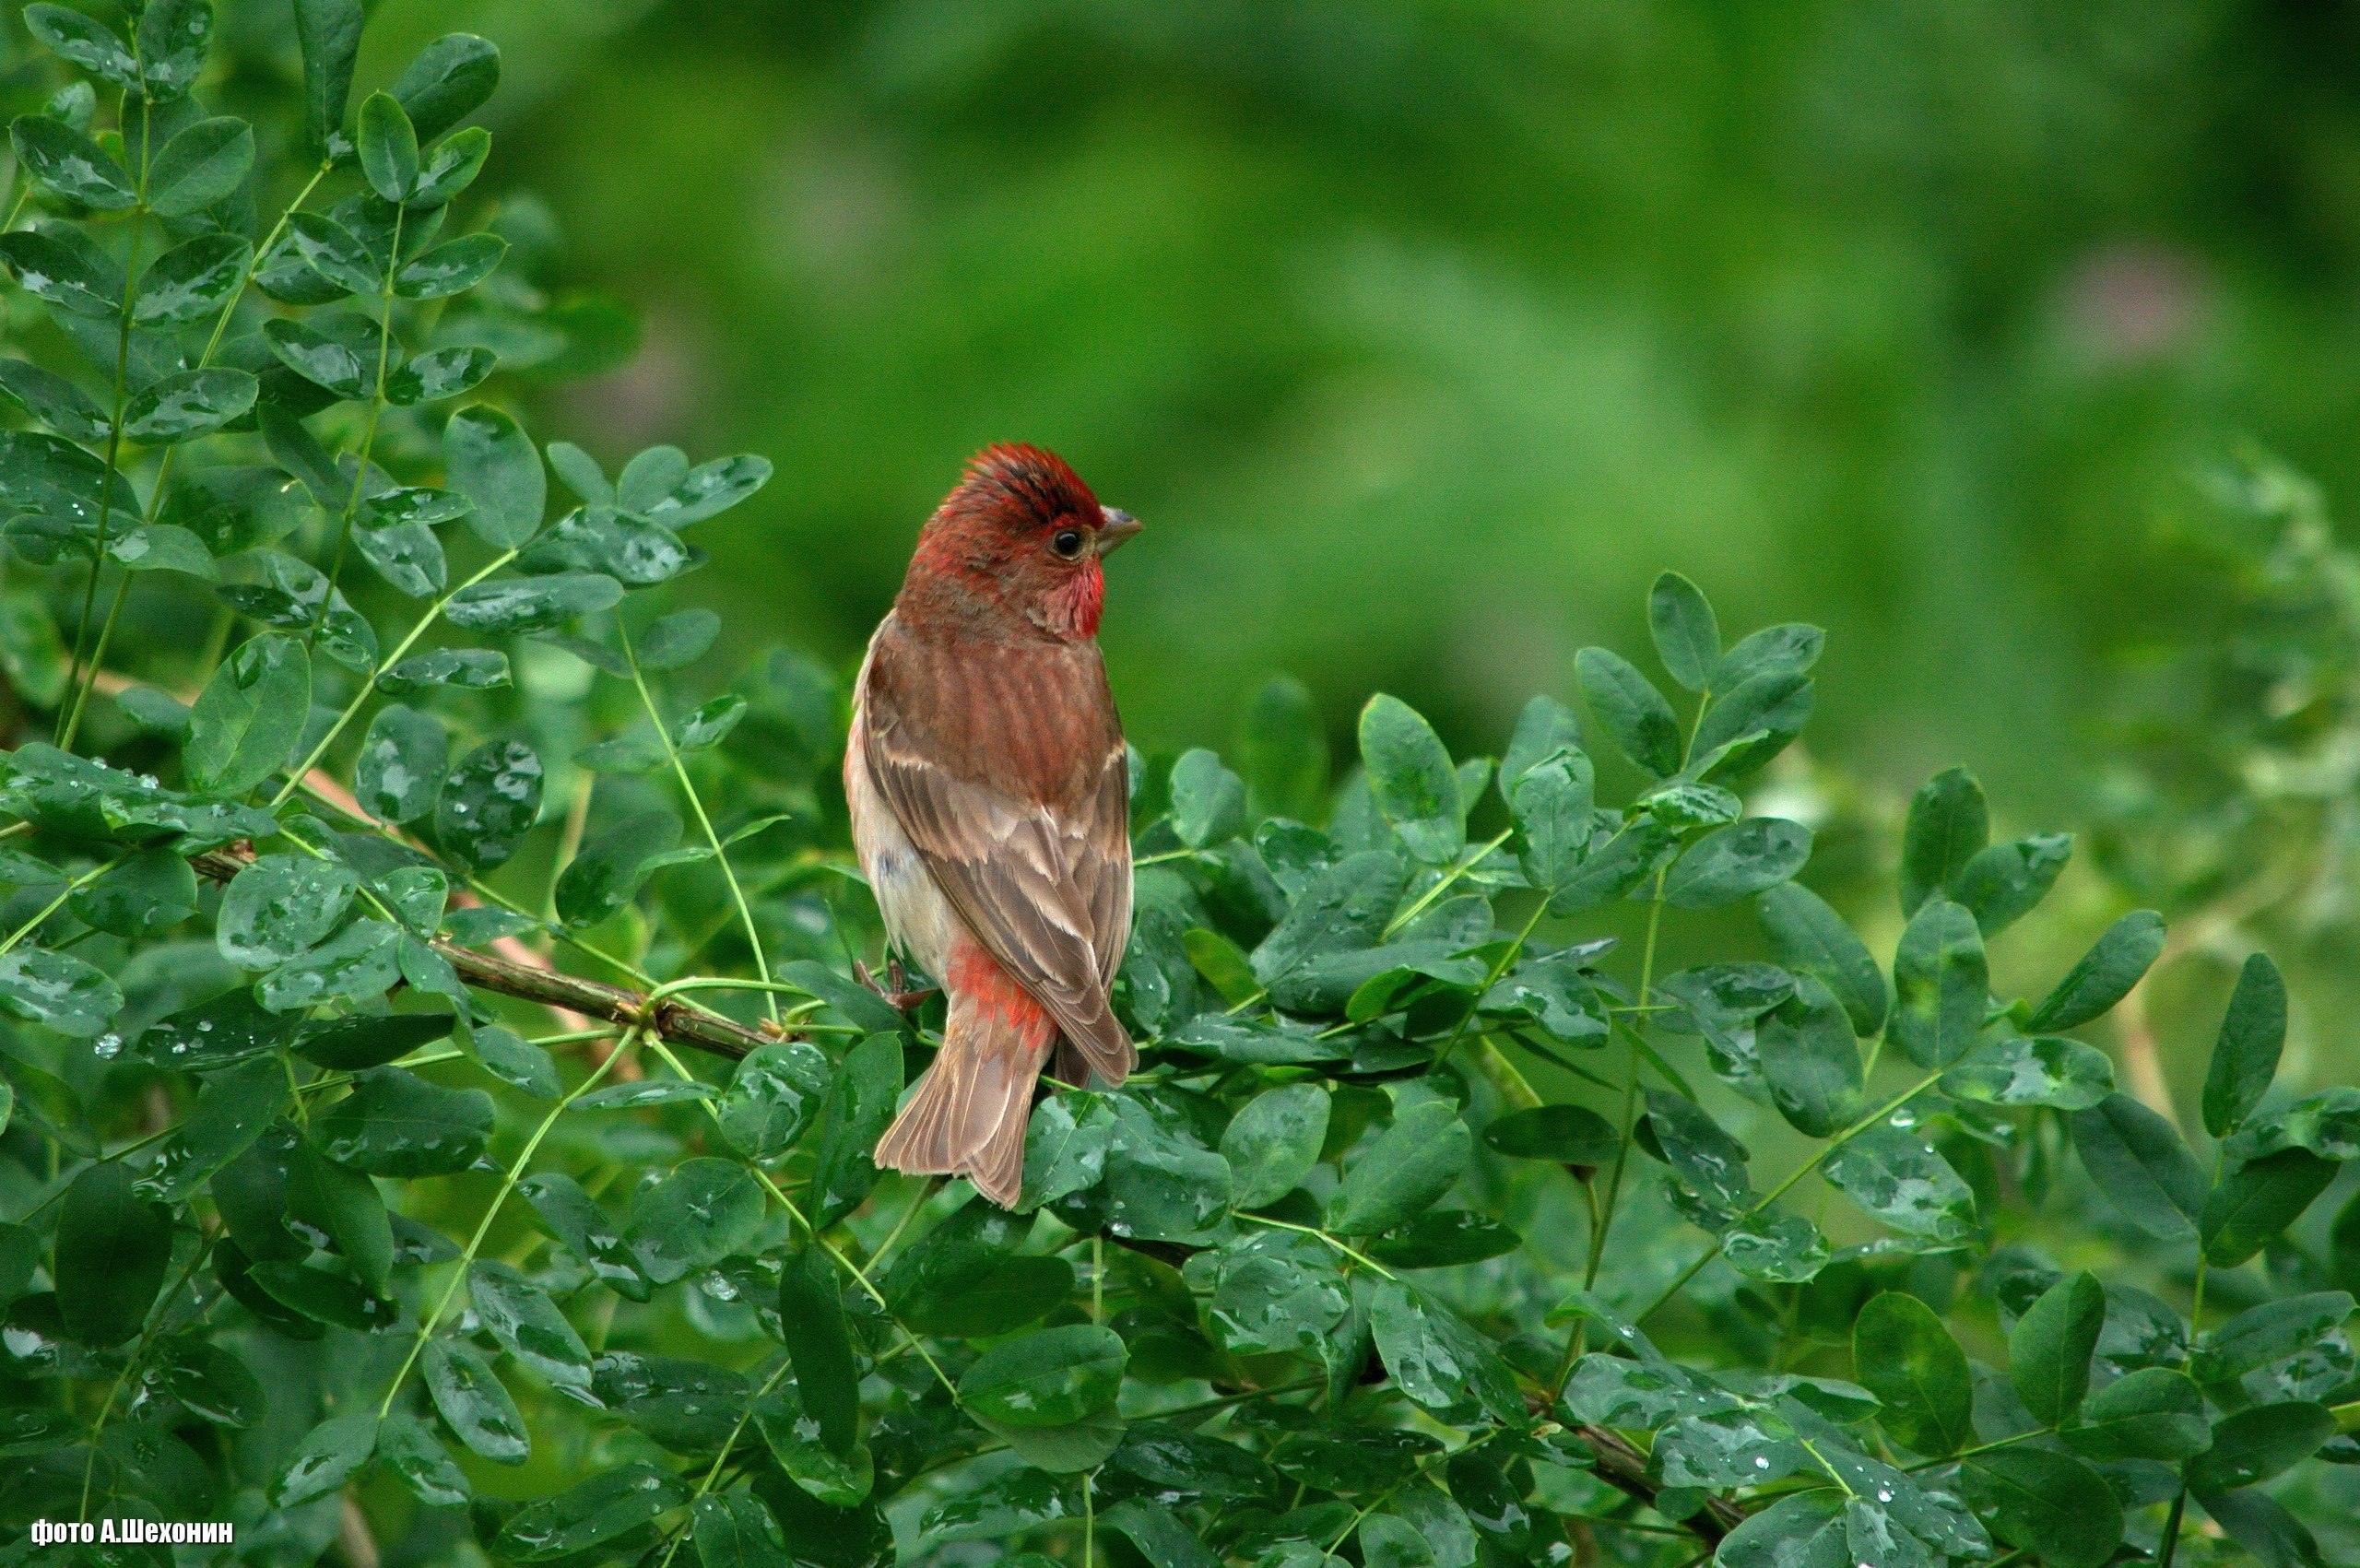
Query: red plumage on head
{"x": 983, "y": 560}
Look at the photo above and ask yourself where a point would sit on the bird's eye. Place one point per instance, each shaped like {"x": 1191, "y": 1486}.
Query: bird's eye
{"x": 1066, "y": 542}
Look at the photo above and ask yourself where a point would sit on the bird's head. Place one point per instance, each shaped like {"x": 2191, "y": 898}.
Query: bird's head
{"x": 1016, "y": 544}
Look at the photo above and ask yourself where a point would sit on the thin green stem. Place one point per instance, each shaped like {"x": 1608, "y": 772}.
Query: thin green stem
{"x": 368, "y": 431}
{"x": 1506, "y": 961}
{"x": 1241, "y": 1397}
{"x": 2168, "y": 1546}
{"x": 138, "y": 1356}
{"x": 84, "y": 666}
{"x": 367, "y": 688}
{"x": 1443, "y": 884}
{"x": 705, "y": 822}
{"x": 1605, "y": 1225}
{"x": 53, "y": 905}
{"x": 925, "y": 1190}
{"x": 1345, "y": 1249}
{"x": 1818, "y": 1157}
{"x": 515, "y": 1173}
{"x": 712, "y": 1471}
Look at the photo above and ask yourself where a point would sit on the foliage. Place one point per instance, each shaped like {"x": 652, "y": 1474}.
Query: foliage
{"x": 314, "y": 1234}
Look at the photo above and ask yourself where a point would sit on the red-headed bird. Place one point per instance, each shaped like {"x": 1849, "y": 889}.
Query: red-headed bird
{"x": 990, "y": 799}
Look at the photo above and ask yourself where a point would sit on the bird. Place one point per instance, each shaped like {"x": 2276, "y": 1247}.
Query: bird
{"x": 988, "y": 786}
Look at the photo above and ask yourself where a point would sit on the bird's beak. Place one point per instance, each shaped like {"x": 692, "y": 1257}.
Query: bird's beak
{"x": 1120, "y": 525}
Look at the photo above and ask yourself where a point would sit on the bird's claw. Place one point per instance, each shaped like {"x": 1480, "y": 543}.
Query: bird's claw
{"x": 895, "y": 990}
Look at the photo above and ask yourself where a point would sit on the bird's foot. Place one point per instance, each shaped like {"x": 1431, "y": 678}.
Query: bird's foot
{"x": 895, "y": 989}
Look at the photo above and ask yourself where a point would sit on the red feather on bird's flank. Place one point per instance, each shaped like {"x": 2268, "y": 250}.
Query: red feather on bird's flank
{"x": 991, "y": 806}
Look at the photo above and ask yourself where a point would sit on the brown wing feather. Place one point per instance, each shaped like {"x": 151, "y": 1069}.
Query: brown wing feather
{"x": 1005, "y": 768}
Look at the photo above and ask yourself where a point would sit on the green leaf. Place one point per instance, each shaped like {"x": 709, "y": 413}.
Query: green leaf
{"x": 1899, "y": 1178}
{"x": 1805, "y": 1530}
{"x": 859, "y": 1107}
{"x": 447, "y": 80}
{"x": 611, "y": 867}
{"x": 324, "y": 1198}
{"x": 211, "y": 1381}
{"x": 1948, "y": 826}
{"x": 1942, "y": 984}
{"x": 1631, "y": 710}
{"x": 709, "y": 724}
{"x": 2003, "y": 883}
{"x": 734, "y": 1530}
{"x": 1160, "y": 1536}
{"x": 438, "y": 374}
{"x": 396, "y": 1123}
{"x": 232, "y": 1110}
{"x": 453, "y": 267}
{"x": 230, "y": 1028}
{"x": 54, "y": 401}
{"x": 1437, "y": 1359}
{"x": 1411, "y": 777}
{"x": 472, "y": 1400}
{"x": 508, "y": 605}
{"x": 190, "y": 282}
{"x": 1444, "y": 1238}
{"x": 388, "y": 146}
{"x": 692, "y": 1219}
{"x": 71, "y": 164}
{"x": 84, "y": 41}
{"x": 250, "y": 716}
{"x": 1049, "y": 1378}
{"x": 1342, "y": 909}
{"x": 518, "y": 1063}
{"x": 2258, "y": 1200}
{"x": 678, "y": 641}
{"x": 528, "y": 1324}
{"x": 451, "y": 169}
{"x": 330, "y": 250}
{"x": 1410, "y": 1166}
{"x": 572, "y": 1216}
{"x": 280, "y": 907}
{"x": 57, "y": 275}
{"x": 2049, "y": 1349}
{"x": 1749, "y": 724}
{"x": 1569, "y": 1135}
{"x": 2245, "y": 1057}
{"x": 773, "y": 1096}
{"x": 170, "y": 44}
{"x": 200, "y": 166}
{"x": 1903, "y": 1354}
{"x": 2262, "y": 1525}
{"x": 415, "y": 1455}
{"x": 401, "y": 764}
{"x": 1273, "y": 1143}
{"x": 1736, "y": 861}
{"x": 2255, "y": 1443}
{"x": 1208, "y": 800}
{"x": 112, "y": 1248}
{"x": 2105, "y": 976}
{"x": 1555, "y": 806}
{"x": 1708, "y": 1160}
{"x": 491, "y": 461}
{"x": 1810, "y": 1061}
{"x": 811, "y": 1319}
{"x": 190, "y": 402}
{"x": 2044, "y": 1070}
{"x": 1784, "y": 1249}
{"x": 58, "y": 990}
{"x": 1808, "y": 937}
{"x": 358, "y": 962}
{"x": 1283, "y": 751}
{"x": 2051, "y": 1504}
{"x": 2152, "y": 1413}
{"x": 146, "y": 894}
{"x": 2270, "y": 1332}
{"x": 1786, "y": 650}
{"x": 488, "y": 802}
{"x": 330, "y": 1455}
{"x": 590, "y": 1514}
{"x": 329, "y": 32}
{"x": 2136, "y": 1157}
{"x": 1687, "y": 638}
{"x": 475, "y": 669}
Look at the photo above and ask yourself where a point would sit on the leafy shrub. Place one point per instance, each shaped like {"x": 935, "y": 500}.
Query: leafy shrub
{"x": 314, "y": 1234}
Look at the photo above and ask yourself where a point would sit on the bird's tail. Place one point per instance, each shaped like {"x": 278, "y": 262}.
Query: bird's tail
{"x": 968, "y": 1114}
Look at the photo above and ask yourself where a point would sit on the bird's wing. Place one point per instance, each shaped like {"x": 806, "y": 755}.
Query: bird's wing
{"x": 1005, "y": 768}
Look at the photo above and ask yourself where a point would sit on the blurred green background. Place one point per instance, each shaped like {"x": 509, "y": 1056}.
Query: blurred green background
{"x": 1424, "y": 335}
